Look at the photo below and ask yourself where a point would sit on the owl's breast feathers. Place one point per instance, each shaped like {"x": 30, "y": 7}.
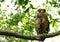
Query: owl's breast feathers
{"x": 41, "y": 23}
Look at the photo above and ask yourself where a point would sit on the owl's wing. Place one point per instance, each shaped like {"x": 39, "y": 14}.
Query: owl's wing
{"x": 45, "y": 24}
{"x": 47, "y": 30}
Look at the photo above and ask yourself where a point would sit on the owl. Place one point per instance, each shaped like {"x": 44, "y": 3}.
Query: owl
{"x": 41, "y": 22}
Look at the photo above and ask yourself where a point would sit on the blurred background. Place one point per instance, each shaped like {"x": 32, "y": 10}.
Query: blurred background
{"x": 19, "y": 15}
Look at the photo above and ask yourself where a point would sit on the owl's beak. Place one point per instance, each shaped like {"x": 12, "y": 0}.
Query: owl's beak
{"x": 41, "y": 11}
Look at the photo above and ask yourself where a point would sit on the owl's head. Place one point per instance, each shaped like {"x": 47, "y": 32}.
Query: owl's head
{"x": 41, "y": 10}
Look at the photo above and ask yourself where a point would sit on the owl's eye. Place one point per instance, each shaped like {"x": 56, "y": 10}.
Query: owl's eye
{"x": 44, "y": 10}
{"x": 39, "y": 10}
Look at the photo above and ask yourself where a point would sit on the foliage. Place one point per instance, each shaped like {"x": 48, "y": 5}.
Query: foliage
{"x": 19, "y": 17}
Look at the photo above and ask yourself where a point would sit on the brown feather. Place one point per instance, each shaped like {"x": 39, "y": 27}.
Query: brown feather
{"x": 41, "y": 22}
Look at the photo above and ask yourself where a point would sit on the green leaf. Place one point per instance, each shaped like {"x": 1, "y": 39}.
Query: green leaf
{"x": 2, "y": 0}
{"x": 26, "y": 2}
{"x": 25, "y": 20}
{"x": 58, "y": 12}
{"x": 1, "y": 21}
{"x": 32, "y": 6}
{"x": 27, "y": 10}
{"x": 19, "y": 2}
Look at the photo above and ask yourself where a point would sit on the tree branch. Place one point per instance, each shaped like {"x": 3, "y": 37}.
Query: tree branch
{"x": 39, "y": 37}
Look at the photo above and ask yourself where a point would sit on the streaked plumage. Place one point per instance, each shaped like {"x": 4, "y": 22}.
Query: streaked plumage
{"x": 41, "y": 22}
